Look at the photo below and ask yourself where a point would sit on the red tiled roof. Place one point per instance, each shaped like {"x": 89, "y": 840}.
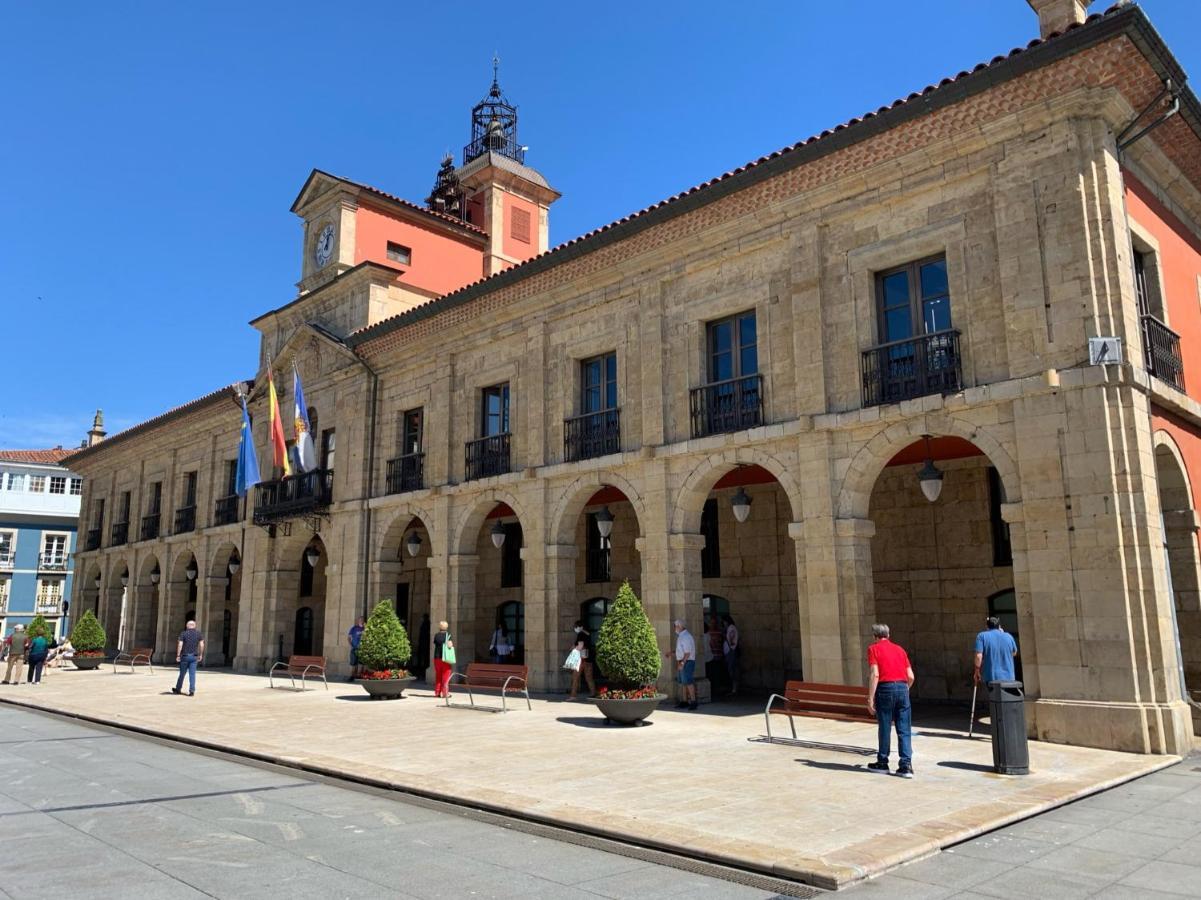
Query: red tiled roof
{"x": 543, "y": 261}
{"x": 399, "y": 201}
{"x": 51, "y": 457}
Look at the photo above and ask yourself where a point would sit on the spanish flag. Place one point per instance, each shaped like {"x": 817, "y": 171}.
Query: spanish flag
{"x": 279, "y": 447}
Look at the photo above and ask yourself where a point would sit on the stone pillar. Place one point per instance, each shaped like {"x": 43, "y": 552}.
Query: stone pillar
{"x": 853, "y": 563}
{"x": 549, "y": 596}
{"x": 210, "y": 614}
{"x": 685, "y": 589}
{"x": 456, "y": 602}
{"x": 804, "y": 635}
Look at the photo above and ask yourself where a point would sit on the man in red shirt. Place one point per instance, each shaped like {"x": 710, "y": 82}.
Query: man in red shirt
{"x": 888, "y": 699}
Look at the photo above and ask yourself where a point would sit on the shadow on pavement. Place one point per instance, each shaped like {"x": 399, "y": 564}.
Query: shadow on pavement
{"x": 967, "y": 767}
{"x": 596, "y": 722}
{"x": 834, "y": 767}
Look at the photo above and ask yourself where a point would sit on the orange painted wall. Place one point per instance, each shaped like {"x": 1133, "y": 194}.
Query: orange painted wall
{"x": 1188, "y": 439}
{"x": 441, "y": 263}
{"x": 1180, "y": 262}
{"x": 510, "y": 246}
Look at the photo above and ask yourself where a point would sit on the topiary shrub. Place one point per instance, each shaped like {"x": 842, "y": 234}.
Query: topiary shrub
{"x": 88, "y": 637}
{"x": 626, "y": 650}
{"x": 385, "y": 645}
{"x": 39, "y": 626}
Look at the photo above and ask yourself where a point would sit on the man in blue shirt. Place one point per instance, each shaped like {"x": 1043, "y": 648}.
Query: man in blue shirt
{"x": 995, "y": 650}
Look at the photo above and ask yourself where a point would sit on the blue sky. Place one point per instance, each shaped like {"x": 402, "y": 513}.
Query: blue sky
{"x": 151, "y": 150}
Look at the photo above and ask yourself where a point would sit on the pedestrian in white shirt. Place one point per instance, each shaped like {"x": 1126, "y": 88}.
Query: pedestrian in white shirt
{"x": 685, "y": 666}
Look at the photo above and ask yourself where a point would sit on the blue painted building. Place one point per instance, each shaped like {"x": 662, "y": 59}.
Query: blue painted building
{"x": 39, "y": 512}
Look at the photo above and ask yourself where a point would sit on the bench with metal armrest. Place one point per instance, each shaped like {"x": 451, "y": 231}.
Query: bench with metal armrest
{"x": 507, "y": 679}
{"x": 817, "y": 700}
{"x": 304, "y": 666}
{"x": 134, "y": 657}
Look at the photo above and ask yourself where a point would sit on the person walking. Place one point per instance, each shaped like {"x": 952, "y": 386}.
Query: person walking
{"x": 423, "y": 646}
{"x": 583, "y": 643}
{"x": 354, "y": 637}
{"x": 38, "y": 650}
{"x": 995, "y": 652}
{"x": 189, "y": 652}
{"x": 15, "y": 645}
{"x": 501, "y": 647}
{"x": 685, "y": 666}
{"x": 442, "y": 669}
{"x": 890, "y": 677}
{"x": 732, "y": 652}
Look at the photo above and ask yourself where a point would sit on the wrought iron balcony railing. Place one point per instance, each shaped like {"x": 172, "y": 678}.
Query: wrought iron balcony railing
{"x": 226, "y": 511}
{"x": 7, "y": 559}
{"x": 185, "y": 520}
{"x": 591, "y": 435}
{"x": 296, "y": 495}
{"x": 488, "y": 456}
{"x": 92, "y": 542}
{"x": 150, "y": 525}
{"x": 915, "y": 367}
{"x": 406, "y": 473}
{"x": 724, "y": 406}
{"x": 52, "y": 562}
{"x": 120, "y": 533}
{"x": 1161, "y": 348}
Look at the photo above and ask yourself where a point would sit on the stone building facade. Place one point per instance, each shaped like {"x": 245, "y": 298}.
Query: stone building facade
{"x": 787, "y": 334}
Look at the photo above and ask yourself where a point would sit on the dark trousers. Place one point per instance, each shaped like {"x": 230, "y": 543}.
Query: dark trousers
{"x": 892, "y": 708}
{"x": 36, "y": 664}
{"x": 187, "y": 666}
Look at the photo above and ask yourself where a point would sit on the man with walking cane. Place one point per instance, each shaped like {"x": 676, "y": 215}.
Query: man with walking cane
{"x": 995, "y": 652}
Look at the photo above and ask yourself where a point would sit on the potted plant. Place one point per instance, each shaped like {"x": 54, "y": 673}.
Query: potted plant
{"x": 88, "y": 639}
{"x": 626, "y": 651}
{"x": 383, "y": 651}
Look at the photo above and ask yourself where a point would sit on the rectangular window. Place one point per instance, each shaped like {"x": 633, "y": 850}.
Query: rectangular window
{"x": 711, "y": 554}
{"x": 410, "y": 432}
{"x": 597, "y": 563}
{"x": 98, "y": 513}
{"x": 16, "y": 481}
{"x": 519, "y": 228}
{"x": 155, "y": 505}
{"x": 733, "y": 348}
{"x": 231, "y": 477}
{"x": 50, "y": 591}
{"x": 510, "y": 556}
{"x": 4, "y": 585}
{"x": 913, "y": 299}
{"x": 76, "y": 487}
{"x": 58, "y": 484}
{"x": 54, "y": 549}
{"x": 126, "y": 505}
{"x": 494, "y": 417}
{"x": 328, "y": 447}
{"x": 400, "y": 254}
{"x": 189, "y": 489}
{"x": 1002, "y": 549}
{"x": 37, "y": 484}
{"x": 598, "y": 383}
{"x": 8, "y": 543}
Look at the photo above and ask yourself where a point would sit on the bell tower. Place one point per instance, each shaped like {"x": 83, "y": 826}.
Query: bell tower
{"x": 493, "y": 188}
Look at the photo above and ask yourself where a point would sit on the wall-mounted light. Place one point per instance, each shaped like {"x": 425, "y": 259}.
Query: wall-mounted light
{"x": 498, "y": 534}
{"x": 311, "y": 555}
{"x": 234, "y": 563}
{"x": 155, "y": 574}
{"x": 413, "y": 544}
{"x": 191, "y": 571}
{"x": 741, "y": 504}
{"x": 97, "y": 582}
{"x": 604, "y": 522}
{"x": 930, "y": 477}
{"x": 125, "y": 578}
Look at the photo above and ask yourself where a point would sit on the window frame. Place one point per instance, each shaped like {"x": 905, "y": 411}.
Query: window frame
{"x": 37, "y": 484}
{"x": 412, "y": 440}
{"x": 521, "y": 225}
{"x": 598, "y": 555}
{"x": 75, "y": 487}
{"x": 913, "y": 270}
{"x": 606, "y": 381}
{"x": 737, "y": 345}
{"x": 399, "y": 253}
{"x": 61, "y": 481}
{"x": 502, "y": 391}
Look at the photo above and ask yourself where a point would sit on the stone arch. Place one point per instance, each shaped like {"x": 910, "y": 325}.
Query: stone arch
{"x": 575, "y": 497}
{"x": 149, "y": 561}
{"x": 179, "y": 563}
{"x": 696, "y": 489}
{"x": 1176, "y": 488}
{"x": 219, "y": 566}
{"x": 399, "y": 523}
{"x": 854, "y": 498}
{"x": 472, "y": 519}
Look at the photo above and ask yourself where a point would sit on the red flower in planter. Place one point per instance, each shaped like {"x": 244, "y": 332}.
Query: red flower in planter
{"x": 385, "y": 675}
{"x": 642, "y": 693}
{"x": 88, "y": 654}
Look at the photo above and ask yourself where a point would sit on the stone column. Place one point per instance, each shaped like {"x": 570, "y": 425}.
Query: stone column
{"x": 804, "y": 635}
{"x": 685, "y": 589}
{"x": 210, "y": 615}
{"x": 549, "y": 596}
{"x": 455, "y": 602}
{"x": 856, "y": 592}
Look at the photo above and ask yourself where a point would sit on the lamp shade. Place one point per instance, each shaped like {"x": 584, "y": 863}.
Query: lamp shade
{"x": 155, "y": 575}
{"x": 191, "y": 571}
{"x": 311, "y": 556}
{"x": 125, "y": 579}
{"x": 97, "y": 582}
{"x": 234, "y": 564}
{"x": 741, "y": 504}
{"x": 413, "y": 544}
{"x": 930, "y": 478}
{"x": 604, "y": 522}
{"x": 498, "y": 534}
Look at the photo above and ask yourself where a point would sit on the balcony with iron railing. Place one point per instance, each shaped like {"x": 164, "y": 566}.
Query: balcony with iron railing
{"x": 55, "y": 561}
{"x": 92, "y": 540}
{"x": 591, "y": 435}
{"x": 406, "y": 473}
{"x": 725, "y": 406}
{"x": 296, "y": 495}
{"x": 185, "y": 520}
{"x": 915, "y": 367}
{"x": 120, "y": 533}
{"x": 226, "y": 510}
{"x": 1161, "y": 349}
{"x": 487, "y": 456}
{"x": 150, "y": 525}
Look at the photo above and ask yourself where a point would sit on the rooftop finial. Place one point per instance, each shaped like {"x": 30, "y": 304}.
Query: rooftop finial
{"x": 495, "y": 92}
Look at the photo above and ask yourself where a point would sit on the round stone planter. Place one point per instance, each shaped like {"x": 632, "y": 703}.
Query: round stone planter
{"x": 385, "y": 688}
{"x": 87, "y": 663}
{"x": 627, "y": 712}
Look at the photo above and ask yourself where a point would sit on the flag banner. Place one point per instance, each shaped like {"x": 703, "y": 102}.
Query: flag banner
{"x": 306, "y": 453}
{"x": 279, "y": 446}
{"x": 248, "y": 460}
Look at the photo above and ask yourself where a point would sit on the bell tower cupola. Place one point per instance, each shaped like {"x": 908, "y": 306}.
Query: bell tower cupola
{"x": 493, "y": 188}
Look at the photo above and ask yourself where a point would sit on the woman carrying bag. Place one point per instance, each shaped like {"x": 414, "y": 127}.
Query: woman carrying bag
{"x": 444, "y": 660}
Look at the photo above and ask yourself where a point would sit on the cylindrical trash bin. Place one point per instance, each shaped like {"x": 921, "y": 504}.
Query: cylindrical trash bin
{"x": 1010, "y": 753}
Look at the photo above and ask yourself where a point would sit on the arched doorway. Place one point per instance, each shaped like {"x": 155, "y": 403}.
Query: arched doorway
{"x": 402, "y": 574}
{"x": 305, "y": 627}
{"x": 225, "y": 591}
{"x": 302, "y": 632}
{"x": 500, "y": 578}
{"x": 115, "y": 610}
{"x": 511, "y": 614}
{"x": 1182, "y": 562}
{"x": 141, "y": 611}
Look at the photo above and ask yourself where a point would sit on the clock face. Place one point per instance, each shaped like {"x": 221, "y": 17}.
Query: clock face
{"x": 325, "y": 245}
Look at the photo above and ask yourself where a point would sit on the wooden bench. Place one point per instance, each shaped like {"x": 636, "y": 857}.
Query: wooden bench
{"x": 304, "y": 666}
{"x": 136, "y": 656}
{"x": 815, "y": 700}
{"x": 492, "y": 677}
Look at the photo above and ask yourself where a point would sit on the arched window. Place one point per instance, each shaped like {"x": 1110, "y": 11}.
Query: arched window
{"x": 302, "y": 641}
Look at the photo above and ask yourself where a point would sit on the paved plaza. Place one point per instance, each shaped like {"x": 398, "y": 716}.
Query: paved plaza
{"x": 810, "y": 813}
